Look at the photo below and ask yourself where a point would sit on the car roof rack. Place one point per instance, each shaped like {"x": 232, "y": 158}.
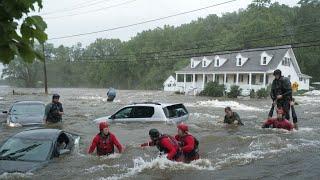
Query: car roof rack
{"x": 147, "y": 102}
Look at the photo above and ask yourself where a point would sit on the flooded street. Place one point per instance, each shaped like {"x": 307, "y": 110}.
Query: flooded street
{"x": 247, "y": 152}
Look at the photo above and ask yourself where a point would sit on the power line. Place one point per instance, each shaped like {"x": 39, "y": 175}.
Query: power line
{"x": 80, "y": 6}
{"x": 143, "y": 22}
{"x": 93, "y": 11}
{"x": 209, "y": 46}
{"x": 223, "y": 52}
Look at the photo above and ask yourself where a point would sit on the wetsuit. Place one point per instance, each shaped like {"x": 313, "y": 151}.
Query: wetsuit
{"x": 230, "y": 120}
{"x": 105, "y": 144}
{"x": 189, "y": 146}
{"x": 275, "y": 123}
{"x": 282, "y": 86}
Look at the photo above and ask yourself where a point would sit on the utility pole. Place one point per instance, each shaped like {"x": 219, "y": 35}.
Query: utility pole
{"x": 45, "y": 71}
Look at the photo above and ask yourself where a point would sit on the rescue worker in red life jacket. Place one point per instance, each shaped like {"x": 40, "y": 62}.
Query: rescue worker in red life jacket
{"x": 105, "y": 141}
{"x": 188, "y": 143}
{"x": 165, "y": 143}
{"x": 279, "y": 122}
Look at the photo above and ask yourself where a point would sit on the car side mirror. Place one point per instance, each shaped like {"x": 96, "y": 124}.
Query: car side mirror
{"x": 64, "y": 151}
{"x": 5, "y": 112}
{"x": 113, "y": 117}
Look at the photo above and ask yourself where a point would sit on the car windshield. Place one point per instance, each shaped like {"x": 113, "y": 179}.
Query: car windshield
{"x": 20, "y": 149}
{"x": 28, "y": 109}
{"x": 175, "y": 111}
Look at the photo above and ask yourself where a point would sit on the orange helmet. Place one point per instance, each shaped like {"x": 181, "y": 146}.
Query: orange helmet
{"x": 183, "y": 127}
{"x": 103, "y": 125}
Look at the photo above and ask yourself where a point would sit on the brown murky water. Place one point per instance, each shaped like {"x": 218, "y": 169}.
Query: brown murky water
{"x": 247, "y": 152}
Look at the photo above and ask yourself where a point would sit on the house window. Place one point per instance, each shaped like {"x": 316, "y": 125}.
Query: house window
{"x": 217, "y": 62}
{"x": 264, "y": 61}
{"x": 253, "y": 81}
{"x": 239, "y": 62}
{"x": 234, "y": 78}
{"x": 196, "y": 78}
{"x": 180, "y": 78}
{"x": 205, "y": 78}
{"x": 267, "y": 79}
{"x": 217, "y": 78}
{"x": 300, "y": 79}
{"x": 261, "y": 78}
{"x": 204, "y": 63}
{"x": 192, "y": 64}
{"x": 241, "y": 77}
{"x": 226, "y": 79}
{"x": 189, "y": 78}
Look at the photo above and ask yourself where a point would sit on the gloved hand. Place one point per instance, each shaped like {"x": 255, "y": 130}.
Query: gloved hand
{"x": 144, "y": 144}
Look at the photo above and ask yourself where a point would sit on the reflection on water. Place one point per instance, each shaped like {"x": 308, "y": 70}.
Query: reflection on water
{"x": 227, "y": 152}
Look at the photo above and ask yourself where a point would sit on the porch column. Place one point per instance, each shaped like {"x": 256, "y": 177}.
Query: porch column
{"x": 213, "y": 77}
{"x": 237, "y": 79}
{"x": 225, "y": 79}
{"x": 194, "y": 84}
{"x": 193, "y": 80}
{"x": 184, "y": 82}
{"x": 264, "y": 79}
{"x": 203, "y": 79}
{"x": 250, "y": 79}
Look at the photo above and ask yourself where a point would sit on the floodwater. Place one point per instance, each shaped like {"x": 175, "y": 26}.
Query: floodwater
{"x": 247, "y": 152}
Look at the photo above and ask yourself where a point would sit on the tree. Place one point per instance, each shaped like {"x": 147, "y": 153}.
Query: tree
{"x": 32, "y": 28}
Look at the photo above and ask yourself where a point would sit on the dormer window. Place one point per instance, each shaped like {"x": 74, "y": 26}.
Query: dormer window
{"x": 265, "y": 58}
{"x": 192, "y": 64}
{"x": 264, "y": 62}
{"x": 217, "y": 62}
{"x": 241, "y": 60}
{"x": 205, "y": 63}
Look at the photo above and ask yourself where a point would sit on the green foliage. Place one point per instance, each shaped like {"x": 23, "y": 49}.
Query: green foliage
{"x": 262, "y": 93}
{"x": 213, "y": 89}
{"x": 234, "y": 92}
{"x": 32, "y": 28}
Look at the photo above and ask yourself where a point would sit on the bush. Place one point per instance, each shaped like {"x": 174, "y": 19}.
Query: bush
{"x": 252, "y": 93}
{"x": 213, "y": 89}
{"x": 234, "y": 92}
{"x": 262, "y": 93}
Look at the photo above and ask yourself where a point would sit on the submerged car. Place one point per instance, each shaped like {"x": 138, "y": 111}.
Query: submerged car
{"x": 24, "y": 113}
{"x": 149, "y": 112}
{"x": 31, "y": 149}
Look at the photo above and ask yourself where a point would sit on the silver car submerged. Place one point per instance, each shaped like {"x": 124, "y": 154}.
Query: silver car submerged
{"x": 149, "y": 112}
{"x": 25, "y": 113}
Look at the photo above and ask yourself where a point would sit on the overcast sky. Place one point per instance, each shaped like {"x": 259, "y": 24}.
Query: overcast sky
{"x": 80, "y": 16}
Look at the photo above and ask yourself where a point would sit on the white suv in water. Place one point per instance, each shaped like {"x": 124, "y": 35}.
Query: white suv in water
{"x": 149, "y": 112}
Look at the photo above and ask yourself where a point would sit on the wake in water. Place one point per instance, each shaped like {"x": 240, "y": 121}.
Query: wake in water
{"x": 161, "y": 162}
{"x": 15, "y": 175}
{"x": 222, "y": 104}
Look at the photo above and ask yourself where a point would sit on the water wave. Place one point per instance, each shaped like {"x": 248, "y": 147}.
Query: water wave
{"x": 15, "y": 175}
{"x": 161, "y": 163}
{"x": 222, "y": 104}
{"x": 100, "y": 168}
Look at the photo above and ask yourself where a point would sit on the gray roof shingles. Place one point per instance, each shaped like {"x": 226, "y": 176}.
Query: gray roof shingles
{"x": 252, "y": 64}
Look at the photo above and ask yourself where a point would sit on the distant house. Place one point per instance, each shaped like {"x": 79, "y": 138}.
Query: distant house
{"x": 249, "y": 69}
{"x": 170, "y": 84}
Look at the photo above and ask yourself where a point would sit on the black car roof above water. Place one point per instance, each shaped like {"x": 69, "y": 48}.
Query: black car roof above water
{"x": 39, "y": 134}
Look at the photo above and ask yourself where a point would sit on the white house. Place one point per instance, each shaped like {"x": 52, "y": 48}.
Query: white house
{"x": 170, "y": 84}
{"x": 249, "y": 69}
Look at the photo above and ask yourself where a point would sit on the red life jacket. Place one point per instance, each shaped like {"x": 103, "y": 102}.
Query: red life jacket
{"x": 192, "y": 155}
{"x": 105, "y": 146}
{"x": 164, "y": 150}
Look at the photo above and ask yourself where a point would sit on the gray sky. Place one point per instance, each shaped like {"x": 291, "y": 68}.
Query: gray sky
{"x": 81, "y": 16}
{"x": 98, "y": 16}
